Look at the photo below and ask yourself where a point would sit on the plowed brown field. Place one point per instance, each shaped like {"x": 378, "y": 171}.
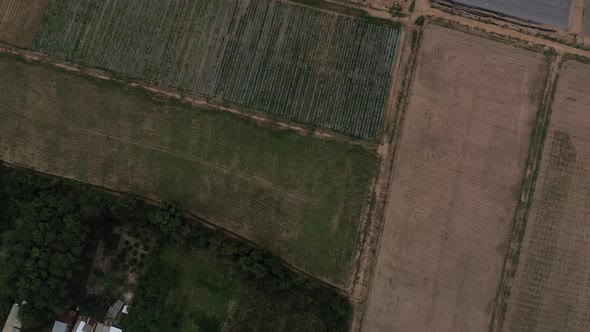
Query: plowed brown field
{"x": 552, "y": 289}
{"x": 455, "y": 185}
{"x": 20, "y": 20}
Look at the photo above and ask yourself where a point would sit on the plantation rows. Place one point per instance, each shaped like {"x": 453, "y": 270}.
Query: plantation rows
{"x": 287, "y": 60}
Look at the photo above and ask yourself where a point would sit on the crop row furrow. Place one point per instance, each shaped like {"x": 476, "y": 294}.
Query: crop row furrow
{"x": 284, "y": 59}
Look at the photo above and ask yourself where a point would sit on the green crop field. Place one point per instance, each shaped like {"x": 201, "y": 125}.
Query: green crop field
{"x": 301, "y": 197}
{"x": 273, "y": 56}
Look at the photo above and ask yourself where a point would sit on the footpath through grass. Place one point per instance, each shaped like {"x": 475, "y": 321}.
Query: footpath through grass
{"x": 298, "y": 196}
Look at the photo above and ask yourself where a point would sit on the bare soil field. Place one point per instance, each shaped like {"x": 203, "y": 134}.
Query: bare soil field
{"x": 20, "y": 20}
{"x": 551, "y": 291}
{"x": 455, "y": 185}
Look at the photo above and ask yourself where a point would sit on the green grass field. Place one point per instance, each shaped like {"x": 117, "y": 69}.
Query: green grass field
{"x": 298, "y": 196}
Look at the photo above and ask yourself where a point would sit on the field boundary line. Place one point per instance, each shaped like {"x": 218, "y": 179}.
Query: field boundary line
{"x": 364, "y": 13}
{"x": 433, "y": 12}
{"x": 526, "y": 195}
{"x": 512, "y": 23}
{"x": 490, "y": 35}
{"x": 183, "y": 97}
{"x": 187, "y": 214}
{"x": 394, "y": 124}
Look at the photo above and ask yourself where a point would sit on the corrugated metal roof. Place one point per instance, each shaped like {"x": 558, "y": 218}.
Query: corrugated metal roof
{"x": 115, "y": 310}
{"x": 81, "y": 326}
{"x": 551, "y": 12}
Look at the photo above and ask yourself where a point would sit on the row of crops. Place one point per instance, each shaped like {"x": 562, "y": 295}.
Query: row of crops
{"x": 285, "y": 59}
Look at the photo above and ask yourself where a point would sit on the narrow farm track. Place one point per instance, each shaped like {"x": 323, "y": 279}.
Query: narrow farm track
{"x": 551, "y": 291}
{"x": 512, "y": 256}
{"x": 423, "y": 9}
{"x": 461, "y": 154}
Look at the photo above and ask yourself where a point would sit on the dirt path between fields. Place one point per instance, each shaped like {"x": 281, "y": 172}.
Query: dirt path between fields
{"x": 185, "y": 97}
{"x": 423, "y": 9}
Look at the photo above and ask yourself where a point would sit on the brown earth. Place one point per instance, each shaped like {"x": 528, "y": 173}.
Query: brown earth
{"x": 455, "y": 185}
{"x": 20, "y": 20}
{"x": 551, "y": 291}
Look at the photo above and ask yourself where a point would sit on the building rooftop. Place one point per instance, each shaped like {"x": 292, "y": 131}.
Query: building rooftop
{"x": 12, "y": 322}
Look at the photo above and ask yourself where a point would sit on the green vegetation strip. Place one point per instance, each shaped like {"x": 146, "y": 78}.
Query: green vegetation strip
{"x": 298, "y": 196}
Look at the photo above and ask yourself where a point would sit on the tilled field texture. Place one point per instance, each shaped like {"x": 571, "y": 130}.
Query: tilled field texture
{"x": 285, "y": 59}
{"x": 299, "y": 196}
{"x": 551, "y": 291}
{"x": 455, "y": 185}
{"x": 20, "y": 20}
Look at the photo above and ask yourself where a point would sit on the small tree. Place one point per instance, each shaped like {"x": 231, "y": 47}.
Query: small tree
{"x": 419, "y": 21}
{"x": 107, "y": 283}
{"x": 397, "y": 10}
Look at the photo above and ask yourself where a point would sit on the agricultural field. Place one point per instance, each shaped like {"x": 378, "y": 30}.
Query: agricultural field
{"x": 456, "y": 177}
{"x": 551, "y": 291}
{"x": 282, "y": 58}
{"x": 551, "y": 12}
{"x": 301, "y": 197}
{"x": 19, "y": 21}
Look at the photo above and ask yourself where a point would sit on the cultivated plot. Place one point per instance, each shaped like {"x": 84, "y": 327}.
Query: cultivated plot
{"x": 300, "y": 197}
{"x": 552, "y": 12}
{"x": 273, "y": 56}
{"x": 551, "y": 291}
{"x": 455, "y": 183}
{"x": 20, "y": 20}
